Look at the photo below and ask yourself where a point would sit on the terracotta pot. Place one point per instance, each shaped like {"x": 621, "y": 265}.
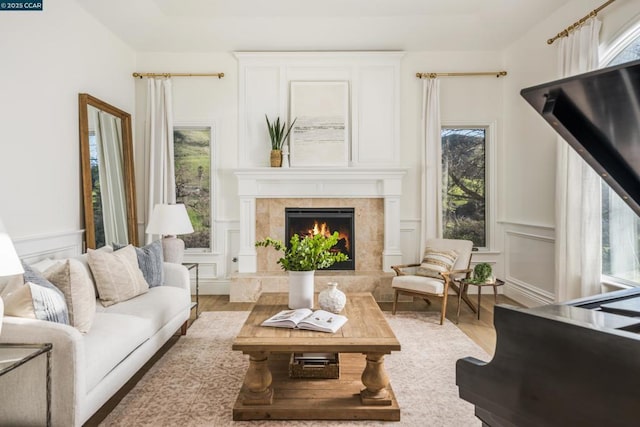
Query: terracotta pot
{"x": 276, "y": 158}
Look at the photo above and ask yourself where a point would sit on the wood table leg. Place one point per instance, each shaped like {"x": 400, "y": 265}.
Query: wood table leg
{"x": 463, "y": 295}
{"x": 462, "y": 290}
{"x": 479, "y": 295}
{"x": 257, "y": 388}
{"x": 375, "y": 379}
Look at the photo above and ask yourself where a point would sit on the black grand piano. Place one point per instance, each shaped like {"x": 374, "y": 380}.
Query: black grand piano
{"x": 575, "y": 363}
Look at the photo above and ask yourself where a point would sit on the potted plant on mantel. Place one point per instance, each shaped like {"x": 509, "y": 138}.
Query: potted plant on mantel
{"x": 303, "y": 257}
{"x": 278, "y": 134}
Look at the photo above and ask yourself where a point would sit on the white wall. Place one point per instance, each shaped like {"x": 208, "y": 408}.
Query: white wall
{"x": 528, "y": 170}
{"x": 209, "y": 100}
{"x": 49, "y": 57}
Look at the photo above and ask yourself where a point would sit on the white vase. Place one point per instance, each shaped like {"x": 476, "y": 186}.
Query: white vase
{"x": 332, "y": 299}
{"x": 285, "y": 157}
{"x": 301, "y": 289}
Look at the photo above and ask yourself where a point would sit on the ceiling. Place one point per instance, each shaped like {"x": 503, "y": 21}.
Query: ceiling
{"x": 236, "y": 25}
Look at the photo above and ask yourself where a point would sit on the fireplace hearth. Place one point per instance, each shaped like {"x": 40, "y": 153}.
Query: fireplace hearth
{"x": 312, "y": 221}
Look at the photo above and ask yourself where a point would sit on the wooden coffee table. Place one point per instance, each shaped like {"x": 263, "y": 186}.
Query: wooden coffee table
{"x": 362, "y": 392}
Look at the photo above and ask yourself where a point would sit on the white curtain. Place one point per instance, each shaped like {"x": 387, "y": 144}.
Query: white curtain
{"x": 161, "y": 178}
{"x": 431, "y": 161}
{"x": 109, "y": 151}
{"x": 578, "y": 188}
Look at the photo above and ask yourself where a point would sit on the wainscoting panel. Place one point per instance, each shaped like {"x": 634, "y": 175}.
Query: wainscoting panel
{"x": 374, "y": 83}
{"x": 377, "y": 118}
{"x": 260, "y": 93}
{"x": 54, "y": 245}
{"x": 410, "y": 240}
{"x": 530, "y": 264}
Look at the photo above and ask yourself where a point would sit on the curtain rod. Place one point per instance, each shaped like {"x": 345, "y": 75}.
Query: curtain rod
{"x": 483, "y": 73}
{"x": 141, "y": 75}
{"x": 578, "y": 23}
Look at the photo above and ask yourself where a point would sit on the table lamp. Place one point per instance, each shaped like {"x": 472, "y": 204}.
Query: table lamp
{"x": 9, "y": 262}
{"x": 170, "y": 221}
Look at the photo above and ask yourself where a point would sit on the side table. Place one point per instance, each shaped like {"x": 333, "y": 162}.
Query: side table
{"x": 13, "y": 356}
{"x": 464, "y": 287}
{"x": 191, "y": 266}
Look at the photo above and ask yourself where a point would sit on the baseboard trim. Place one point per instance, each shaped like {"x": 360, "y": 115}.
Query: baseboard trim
{"x": 211, "y": 287}
{"x": 526, "y": 294}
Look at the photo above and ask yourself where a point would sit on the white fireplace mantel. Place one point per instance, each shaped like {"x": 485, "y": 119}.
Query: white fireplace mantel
{"x": 349, "y": 182}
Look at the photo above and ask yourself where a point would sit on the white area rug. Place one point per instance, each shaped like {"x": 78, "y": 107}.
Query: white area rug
{"x": 197, "y": 381}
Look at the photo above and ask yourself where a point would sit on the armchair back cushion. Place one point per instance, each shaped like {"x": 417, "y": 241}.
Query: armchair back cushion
{"x": 462, "y": 247}
{"x": 436, "y": 261}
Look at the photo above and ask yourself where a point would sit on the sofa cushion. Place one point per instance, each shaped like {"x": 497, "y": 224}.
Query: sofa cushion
{"x": 37, "y": 302}
{"x": 150, "y": 261}
{"x": 32, "y": 296}
{"x": 117, "y": 275}
{"x": 111, "y": 339}
{"x": 73, "y": 280}
{"x": 159, "y": 305}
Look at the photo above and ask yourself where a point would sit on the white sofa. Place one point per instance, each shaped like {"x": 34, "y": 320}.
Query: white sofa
{"x": 87, "y": 369}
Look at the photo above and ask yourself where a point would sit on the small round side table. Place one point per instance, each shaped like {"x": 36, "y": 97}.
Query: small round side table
{"x": 464, "y": 287}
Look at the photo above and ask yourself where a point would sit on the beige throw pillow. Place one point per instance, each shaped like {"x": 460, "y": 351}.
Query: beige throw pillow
{"x": 73, "y": 280}
{"x": 436, "y": 262}
{"x": 117, "y": 275}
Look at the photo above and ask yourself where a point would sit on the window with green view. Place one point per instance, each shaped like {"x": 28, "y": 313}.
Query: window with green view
{"x": 192, "y": 151}
{"x": 464, "y": 214}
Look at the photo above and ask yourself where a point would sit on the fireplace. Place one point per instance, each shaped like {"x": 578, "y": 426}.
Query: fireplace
{"x": 311, "y": 221}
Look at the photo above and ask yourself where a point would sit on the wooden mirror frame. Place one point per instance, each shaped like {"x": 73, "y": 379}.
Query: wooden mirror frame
{"x": 84, "y": 101}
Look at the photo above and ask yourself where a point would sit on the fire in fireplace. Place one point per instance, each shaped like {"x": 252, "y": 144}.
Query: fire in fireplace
{"x": 312, "y": 221}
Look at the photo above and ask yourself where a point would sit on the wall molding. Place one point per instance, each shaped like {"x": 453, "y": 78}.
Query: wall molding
{"x": 61, "y": 244}
{"x": 526, "y": 294}
{"x": 527, "y": 224}
{"x": 521, "y": 274}
{"x": 531, "y": 236}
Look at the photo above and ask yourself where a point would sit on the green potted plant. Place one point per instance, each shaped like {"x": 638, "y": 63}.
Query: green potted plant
{"x": 278, "y": 133}
{"x": 482, "y": 273}
{"x": 301, "y": 259}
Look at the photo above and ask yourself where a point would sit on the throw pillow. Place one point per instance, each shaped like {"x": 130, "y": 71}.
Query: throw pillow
{"x": 36, "y": 299}
{"x": 117, "y": 275}
{"x": 435, "y": 262}
{"x": 74, "y": 282}
{"x": 149, "y": 261}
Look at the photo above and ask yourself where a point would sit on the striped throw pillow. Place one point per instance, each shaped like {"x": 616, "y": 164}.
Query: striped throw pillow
{"x": 435, "y": 262}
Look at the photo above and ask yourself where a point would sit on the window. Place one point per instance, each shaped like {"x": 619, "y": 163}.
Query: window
{"x": 620, "y": 225}
{"x": 464, "y": 208}
{"x": 192, "y": 151}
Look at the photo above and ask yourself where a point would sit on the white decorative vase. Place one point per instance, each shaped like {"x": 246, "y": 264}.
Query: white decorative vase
{"x": 285, "y": 156}
{"x": 332, "y": 299}
{"x": 301, "y": 289}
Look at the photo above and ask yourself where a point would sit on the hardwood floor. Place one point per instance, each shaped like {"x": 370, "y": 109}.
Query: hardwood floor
{"x": 480, "y": 331}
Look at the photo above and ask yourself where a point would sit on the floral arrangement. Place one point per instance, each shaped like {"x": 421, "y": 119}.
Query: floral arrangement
{"x": 307, "y": 253}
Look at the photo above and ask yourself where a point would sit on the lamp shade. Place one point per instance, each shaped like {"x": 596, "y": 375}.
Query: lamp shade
{"x": 169, "y": 220}
{"x": 9, "y": 262}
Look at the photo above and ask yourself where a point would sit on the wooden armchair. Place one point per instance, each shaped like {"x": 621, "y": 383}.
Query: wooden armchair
{"x": 447, "y": 263}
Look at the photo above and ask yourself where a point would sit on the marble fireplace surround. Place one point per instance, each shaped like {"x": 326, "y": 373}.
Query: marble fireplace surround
{"x": 265, "y": 192}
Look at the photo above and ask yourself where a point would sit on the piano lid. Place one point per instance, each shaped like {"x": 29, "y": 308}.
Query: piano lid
{"x": 598, "y": 114}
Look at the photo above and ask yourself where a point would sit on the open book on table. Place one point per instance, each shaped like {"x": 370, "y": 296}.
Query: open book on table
{"x": 304, "y": 318}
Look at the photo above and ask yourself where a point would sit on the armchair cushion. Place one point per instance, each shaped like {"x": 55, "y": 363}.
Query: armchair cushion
{"x": 419, "y": 284}
{"x": 435, "y": 262}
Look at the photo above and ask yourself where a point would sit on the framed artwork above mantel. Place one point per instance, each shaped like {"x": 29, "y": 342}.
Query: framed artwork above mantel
{"x": 321, "y": 134}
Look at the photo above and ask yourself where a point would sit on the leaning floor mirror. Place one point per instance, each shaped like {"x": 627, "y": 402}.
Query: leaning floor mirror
{"x": 107, "y": 173}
